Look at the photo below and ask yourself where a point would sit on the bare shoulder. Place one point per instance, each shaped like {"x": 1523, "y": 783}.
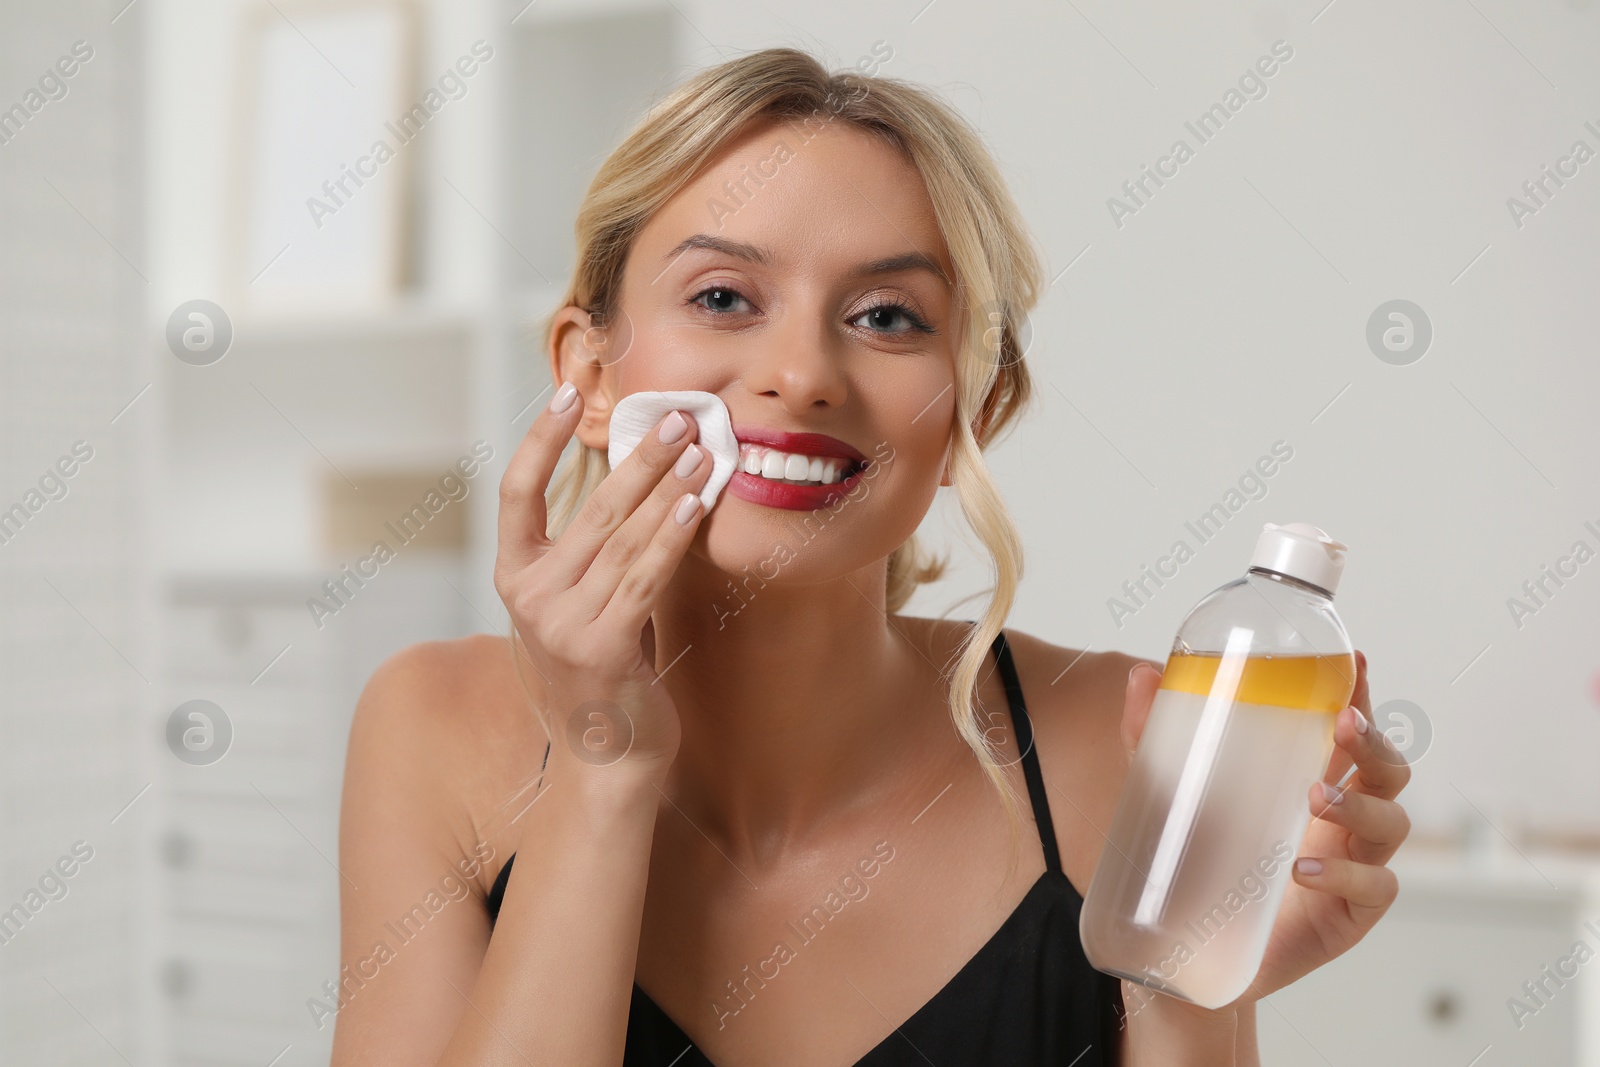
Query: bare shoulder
{"x": 1083, "y": 687}
{"x": 438, "y": 680}
{"x": 432, "y": 694}
{"x": 435, "y": 738}
{"x": 440, "y": 734}
{"x": 1075, "y": 701}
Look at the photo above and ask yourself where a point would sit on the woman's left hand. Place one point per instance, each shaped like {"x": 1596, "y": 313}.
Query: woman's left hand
{"x": 1341, "y": 886}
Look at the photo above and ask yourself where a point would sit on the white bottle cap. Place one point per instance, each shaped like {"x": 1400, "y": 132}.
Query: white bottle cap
{"x": 1300, "y": 550}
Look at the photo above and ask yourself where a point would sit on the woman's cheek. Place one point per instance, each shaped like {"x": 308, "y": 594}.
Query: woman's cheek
{"x": 918, "y": 422}
{"x": 659, "y": 363}
{"x": 908, "y": 479}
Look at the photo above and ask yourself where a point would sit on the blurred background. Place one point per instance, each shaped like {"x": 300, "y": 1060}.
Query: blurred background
{"x": 240, "y": 343}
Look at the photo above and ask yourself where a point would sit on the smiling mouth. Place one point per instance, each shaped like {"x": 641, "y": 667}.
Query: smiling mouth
{"x": 795, "y": 468}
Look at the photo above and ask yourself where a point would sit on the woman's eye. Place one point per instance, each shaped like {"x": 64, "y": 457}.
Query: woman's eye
{"x": 882, "y": 318}
{"x": 717, "y": 299}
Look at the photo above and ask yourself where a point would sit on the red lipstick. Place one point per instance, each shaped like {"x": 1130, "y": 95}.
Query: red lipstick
{"x": 804, "y": 444}
{"x": 759, "y": 490}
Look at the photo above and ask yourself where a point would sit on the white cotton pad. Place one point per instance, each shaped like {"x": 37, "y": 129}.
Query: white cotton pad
{"x": 637, "y": 414}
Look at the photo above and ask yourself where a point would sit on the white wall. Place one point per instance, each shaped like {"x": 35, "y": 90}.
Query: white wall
{"x": 1231, "y": 310}
{"x": 75, "y": 653}
{"x": 1226, "y": 315}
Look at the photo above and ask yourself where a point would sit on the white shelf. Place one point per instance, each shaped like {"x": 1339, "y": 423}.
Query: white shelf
{"x": 405, "y": 320}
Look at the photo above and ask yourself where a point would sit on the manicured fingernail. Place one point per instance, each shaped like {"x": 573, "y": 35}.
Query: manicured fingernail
{"x": 1332, "y": 794}
{"x": 563, "y": 398}
{"x": 672, "y": 428}
{"x": 688, "y": 462}
{"x": 686, "y": 509}
{"x": 1362, "y": 725}
{"x": 1307, "y": 865}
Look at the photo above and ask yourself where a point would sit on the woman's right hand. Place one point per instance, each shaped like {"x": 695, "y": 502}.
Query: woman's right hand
{"x": 582, "y": 604}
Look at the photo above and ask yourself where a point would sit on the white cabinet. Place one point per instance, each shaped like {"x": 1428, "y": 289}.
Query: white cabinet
{"x": 249, "y": 844}
{"x": 1432, "y": 984}
{"x": 246, "y": 902}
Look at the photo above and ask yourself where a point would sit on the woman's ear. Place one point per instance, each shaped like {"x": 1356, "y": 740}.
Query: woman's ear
{"x": 578, "y": 354}
{"x": 947, "y": 478}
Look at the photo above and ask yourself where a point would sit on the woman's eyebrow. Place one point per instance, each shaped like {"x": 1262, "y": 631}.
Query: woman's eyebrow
{"x": 741, "y": 250}
{"x": 738, "y": 249}
{"x": 904, "y": 261}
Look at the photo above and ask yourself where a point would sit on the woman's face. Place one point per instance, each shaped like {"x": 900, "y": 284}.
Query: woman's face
{"x": 805, "y": 283}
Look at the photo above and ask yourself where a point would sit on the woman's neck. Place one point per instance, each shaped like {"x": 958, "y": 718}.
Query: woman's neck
{"x": 795, "y": 709}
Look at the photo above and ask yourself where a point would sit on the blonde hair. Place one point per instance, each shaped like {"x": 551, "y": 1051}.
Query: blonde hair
{"x": 997, "y": 280}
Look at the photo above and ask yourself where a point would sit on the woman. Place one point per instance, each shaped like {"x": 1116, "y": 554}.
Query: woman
{"x": 756, "y": 813}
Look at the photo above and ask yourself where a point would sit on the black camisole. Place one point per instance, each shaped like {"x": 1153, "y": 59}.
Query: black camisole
{"x": 1029, "y": 995}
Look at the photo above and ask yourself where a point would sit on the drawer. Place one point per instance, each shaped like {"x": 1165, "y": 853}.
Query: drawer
{"x": 235, "y": 641}
{"x": 1431, "y": 990}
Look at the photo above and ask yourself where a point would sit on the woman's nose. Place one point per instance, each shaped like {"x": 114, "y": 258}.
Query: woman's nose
{"x": 801, "y": 366}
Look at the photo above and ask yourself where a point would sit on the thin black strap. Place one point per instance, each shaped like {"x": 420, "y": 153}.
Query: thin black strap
{"x": 497, "y": 892}
{"x": 1030, "y": 757}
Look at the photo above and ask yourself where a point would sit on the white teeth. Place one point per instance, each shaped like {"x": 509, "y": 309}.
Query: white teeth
{"x": 790, "y": 467}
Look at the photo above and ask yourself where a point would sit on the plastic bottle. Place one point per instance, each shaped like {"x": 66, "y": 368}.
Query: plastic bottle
{"x": 1215, "y": 802}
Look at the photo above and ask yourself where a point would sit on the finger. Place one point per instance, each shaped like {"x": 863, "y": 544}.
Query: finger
{"x": 615, "y": 498}
{"x": 522, "y": 533}
{"x": 1339, "y": 761}
{"x": 1377, "y": 827}
{"x": 599, "y": 583}
{"x": 1367, "y": 889}
{"x": 1143, "y": 681}
{"x": 1380, "y": 769}
{"x": 639, "y": 589}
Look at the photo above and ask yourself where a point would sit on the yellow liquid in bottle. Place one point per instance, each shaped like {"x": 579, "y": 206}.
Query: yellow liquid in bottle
{"x": 1307, "y": 683}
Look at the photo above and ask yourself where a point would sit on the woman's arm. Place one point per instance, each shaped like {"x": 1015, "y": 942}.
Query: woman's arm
{"x": 555, "y": 983}
{"x": 1170, "y": 1033}
{"x": 424, "y": 984}
{"x": 1246, "y": 1052}
{"x": 557, "y": 980}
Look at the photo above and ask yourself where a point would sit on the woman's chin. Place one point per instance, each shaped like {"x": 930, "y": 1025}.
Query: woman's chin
{"x": 750, "y": 551}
